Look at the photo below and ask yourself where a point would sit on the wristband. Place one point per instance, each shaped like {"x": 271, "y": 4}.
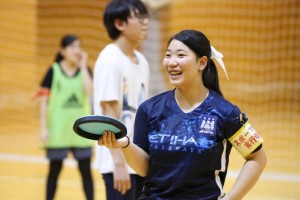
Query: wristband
{"x": 128, "y": 142}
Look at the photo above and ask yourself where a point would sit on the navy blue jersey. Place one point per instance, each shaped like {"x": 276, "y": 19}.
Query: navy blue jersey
{"x": 189, "y": 152}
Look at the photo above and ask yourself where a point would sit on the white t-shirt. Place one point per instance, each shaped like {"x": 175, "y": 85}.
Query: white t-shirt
{"x": 116, "y": 78}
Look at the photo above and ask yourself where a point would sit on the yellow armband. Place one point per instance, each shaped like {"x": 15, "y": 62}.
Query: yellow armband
{"x": 246, "y": 140}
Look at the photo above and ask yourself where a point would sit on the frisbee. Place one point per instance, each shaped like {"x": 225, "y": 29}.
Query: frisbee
{"x": 93, "y": 126}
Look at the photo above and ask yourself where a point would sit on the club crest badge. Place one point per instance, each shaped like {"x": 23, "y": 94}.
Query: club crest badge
{"x": 208, "y": 126}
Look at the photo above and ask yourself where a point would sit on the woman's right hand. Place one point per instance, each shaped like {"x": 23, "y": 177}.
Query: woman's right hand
{"x": 109, "y": 140}
{"x": 83, "y": 58}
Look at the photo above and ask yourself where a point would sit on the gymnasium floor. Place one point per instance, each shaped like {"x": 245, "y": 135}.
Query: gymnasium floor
{"x": 23, "y": 169}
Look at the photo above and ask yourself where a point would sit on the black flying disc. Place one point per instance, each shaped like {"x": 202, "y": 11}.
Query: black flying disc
{"x": 93, "y": 126}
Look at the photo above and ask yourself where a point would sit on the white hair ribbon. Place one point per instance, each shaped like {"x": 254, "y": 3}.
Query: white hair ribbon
{"x": 218, "y": 56}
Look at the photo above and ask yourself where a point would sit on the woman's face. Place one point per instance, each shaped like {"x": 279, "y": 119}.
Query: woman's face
{"x": 72, "y": 52}
{"x": 183, "y": 67}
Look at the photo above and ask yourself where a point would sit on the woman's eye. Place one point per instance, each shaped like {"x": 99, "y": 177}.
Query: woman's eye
{"x": 181, "y": 55}
{"x": 167, "y": 55}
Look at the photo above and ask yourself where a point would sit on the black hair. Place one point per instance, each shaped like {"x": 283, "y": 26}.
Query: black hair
{"x": 121, "y": 9}
{"x": 200, "y": 45}
{"x": 65, "y": 41}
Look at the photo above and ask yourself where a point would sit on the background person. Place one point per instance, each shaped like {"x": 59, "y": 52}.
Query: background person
{"x": 120, "y": 85}
{"x": 65, "y": 96}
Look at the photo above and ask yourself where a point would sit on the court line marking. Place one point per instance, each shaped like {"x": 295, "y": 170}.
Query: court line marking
{"x": 271, "y": 176}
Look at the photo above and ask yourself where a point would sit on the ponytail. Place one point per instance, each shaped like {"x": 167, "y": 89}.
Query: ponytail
{"x": 210, "y": 77}
{"x": 58, "y": 57}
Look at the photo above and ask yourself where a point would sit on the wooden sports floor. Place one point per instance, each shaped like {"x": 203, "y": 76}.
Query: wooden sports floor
{"x": 260, "y": 41}
{"x": 23, "y": 170}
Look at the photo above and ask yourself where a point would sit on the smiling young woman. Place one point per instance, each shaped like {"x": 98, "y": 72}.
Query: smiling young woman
{"x": 183, "y": 137}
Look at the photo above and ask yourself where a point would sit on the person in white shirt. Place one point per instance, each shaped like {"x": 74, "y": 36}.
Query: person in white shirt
{"x": 121, "y": 76}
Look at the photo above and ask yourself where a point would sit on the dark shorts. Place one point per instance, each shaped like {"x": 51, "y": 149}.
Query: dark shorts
{"x": 62, "y": 153}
